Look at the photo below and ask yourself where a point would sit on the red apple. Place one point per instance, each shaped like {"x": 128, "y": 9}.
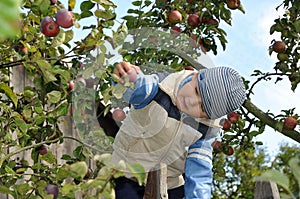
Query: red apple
{"x": 88, "y": 174}
{"x": 233, "y": 4}
{"x": 174, "y": 16}
{"x": 52, "y": 2}
{"x": 225, "y": 123}
{"x": 64, "y": 18}
{"x": 71, "y": 85}
{"x": 49, "y": 27}
{"x": 204, "y": 19}
{"x": 132, "y": 74}
{"x": 118, "y": 115}
{"x": 290, "y": 123}
{"x": 89, "y": 82}
{"x": 214, "y": 22}
{"x": 52, "y": 189}
{"x": 228, "y": 150}
{"x": 81, "y": 81}
{"x": 217, "y": 146}
{"x": 233, "y": 117}
{"x": 43, "y": 150}
{"x": 279, "y": 46}
{"x": 189, "y": 68}
{"x": 193, "y": 41}
{"x": 176, "y": 30}
{"x": 193, "y": 20}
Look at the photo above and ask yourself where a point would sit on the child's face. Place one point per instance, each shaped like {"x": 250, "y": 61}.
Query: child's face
{"x": 188, "y": 99}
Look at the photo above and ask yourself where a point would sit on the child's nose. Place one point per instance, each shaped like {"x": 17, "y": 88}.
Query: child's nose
{"x": 195, "y": 101}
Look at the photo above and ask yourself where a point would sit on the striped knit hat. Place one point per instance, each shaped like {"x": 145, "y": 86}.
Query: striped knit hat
{"x": 222, "y": 91}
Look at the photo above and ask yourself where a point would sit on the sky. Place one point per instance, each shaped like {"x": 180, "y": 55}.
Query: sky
{"x": 247, "y": 49}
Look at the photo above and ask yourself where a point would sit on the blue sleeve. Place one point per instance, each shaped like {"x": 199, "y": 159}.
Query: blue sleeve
{"x": 198, "y": 167}
{"x": 145, "y": 88}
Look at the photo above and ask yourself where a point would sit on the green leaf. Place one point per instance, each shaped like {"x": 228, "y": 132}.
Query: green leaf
{"x": 105, "y": 14}
{"x": 22, "y": 188}
{"x": 86, "y": 5}
{"x": 59, "y": 39}
{"x": 86, "y": 14}
{"x": 45, "y": 67}
{"x": 9, "y": 93}
{"x": 49, "y": 157}
{"x": 69, "y": 188}
{"x": 44, "y": 7}
{"x": 275, "y": 176}
{"x": 118, "y": 91}
{"x": 21, "y": 124}
{"x": 106, "y": 2}
{"x": 138, "y": 172}
{"x": 8, "y": 15}
{"x": 137, "y": 3}
{"x": 294, "y": 163}
{"x": 54, "y": 96}
{"x": 69, "y": 36}
{"x": 80, "y": 168}
{"x": 5, "y": 190}
{"x": 297, "y": 25}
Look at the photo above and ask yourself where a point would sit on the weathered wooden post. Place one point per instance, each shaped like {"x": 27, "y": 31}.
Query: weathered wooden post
{"x": 266, "y": 190}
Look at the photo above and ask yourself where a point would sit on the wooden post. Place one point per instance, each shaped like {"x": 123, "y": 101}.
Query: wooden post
{"x": 266, "y": 190}
{"x": 156, "y": 186}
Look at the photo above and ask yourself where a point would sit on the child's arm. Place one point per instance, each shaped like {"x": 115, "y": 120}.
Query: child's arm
{"x": 145, "y": 86}
{"x": 198, "y": 168}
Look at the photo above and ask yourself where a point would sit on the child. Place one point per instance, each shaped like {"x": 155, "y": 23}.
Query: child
{"x": 171, "y": 112}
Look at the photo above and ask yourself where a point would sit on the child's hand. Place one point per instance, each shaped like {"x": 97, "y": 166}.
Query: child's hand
{"x": 123, "y": 69}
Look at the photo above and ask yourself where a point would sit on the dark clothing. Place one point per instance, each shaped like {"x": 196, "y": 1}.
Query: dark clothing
{"x": 129, "y": 189}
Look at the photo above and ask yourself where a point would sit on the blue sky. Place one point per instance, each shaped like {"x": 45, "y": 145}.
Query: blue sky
{"x": 247, "y": 50}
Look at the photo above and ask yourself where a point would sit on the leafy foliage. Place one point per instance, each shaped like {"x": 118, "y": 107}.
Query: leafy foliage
{"x": 36, "y": 105}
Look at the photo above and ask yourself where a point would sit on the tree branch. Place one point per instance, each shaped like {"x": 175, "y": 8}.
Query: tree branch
{"x": 295, "y": 135}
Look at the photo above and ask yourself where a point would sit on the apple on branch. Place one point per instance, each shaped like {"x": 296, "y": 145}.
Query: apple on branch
{"x": 64, "y": 18}
{"x": 233, "y": 117}
{"x": 228, "y": 150}
{"x": 226, "y": 124}
{"x": 174, "y": 16}
{"x": 52, "y": 189}
{"x": 290, "y": 123}
{"x": 279, "y": 46}
{"x": 233, "y": 4}
{"x": 118, "y": 115}
{"x": 217, "y": 146}
{"x": 193, "y": 20}
{"x": 49, "y": 27}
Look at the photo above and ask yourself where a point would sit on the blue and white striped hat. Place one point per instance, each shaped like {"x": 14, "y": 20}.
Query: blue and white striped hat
{"x": 222, "y": 91}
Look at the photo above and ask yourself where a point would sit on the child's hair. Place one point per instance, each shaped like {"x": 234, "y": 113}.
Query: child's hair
{"x": 222, "y": 91}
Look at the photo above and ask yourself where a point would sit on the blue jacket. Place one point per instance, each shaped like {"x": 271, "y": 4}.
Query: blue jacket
{"x": 198, "y": 159}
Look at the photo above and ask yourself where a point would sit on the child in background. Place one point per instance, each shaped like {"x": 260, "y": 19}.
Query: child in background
{"x": 170, "y": 113}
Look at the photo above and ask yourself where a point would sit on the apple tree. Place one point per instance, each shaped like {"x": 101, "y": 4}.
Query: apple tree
{"x": 68, "y": 84}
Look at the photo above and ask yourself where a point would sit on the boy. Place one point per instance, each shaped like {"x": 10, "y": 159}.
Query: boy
{"x": 171, "y": 112}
